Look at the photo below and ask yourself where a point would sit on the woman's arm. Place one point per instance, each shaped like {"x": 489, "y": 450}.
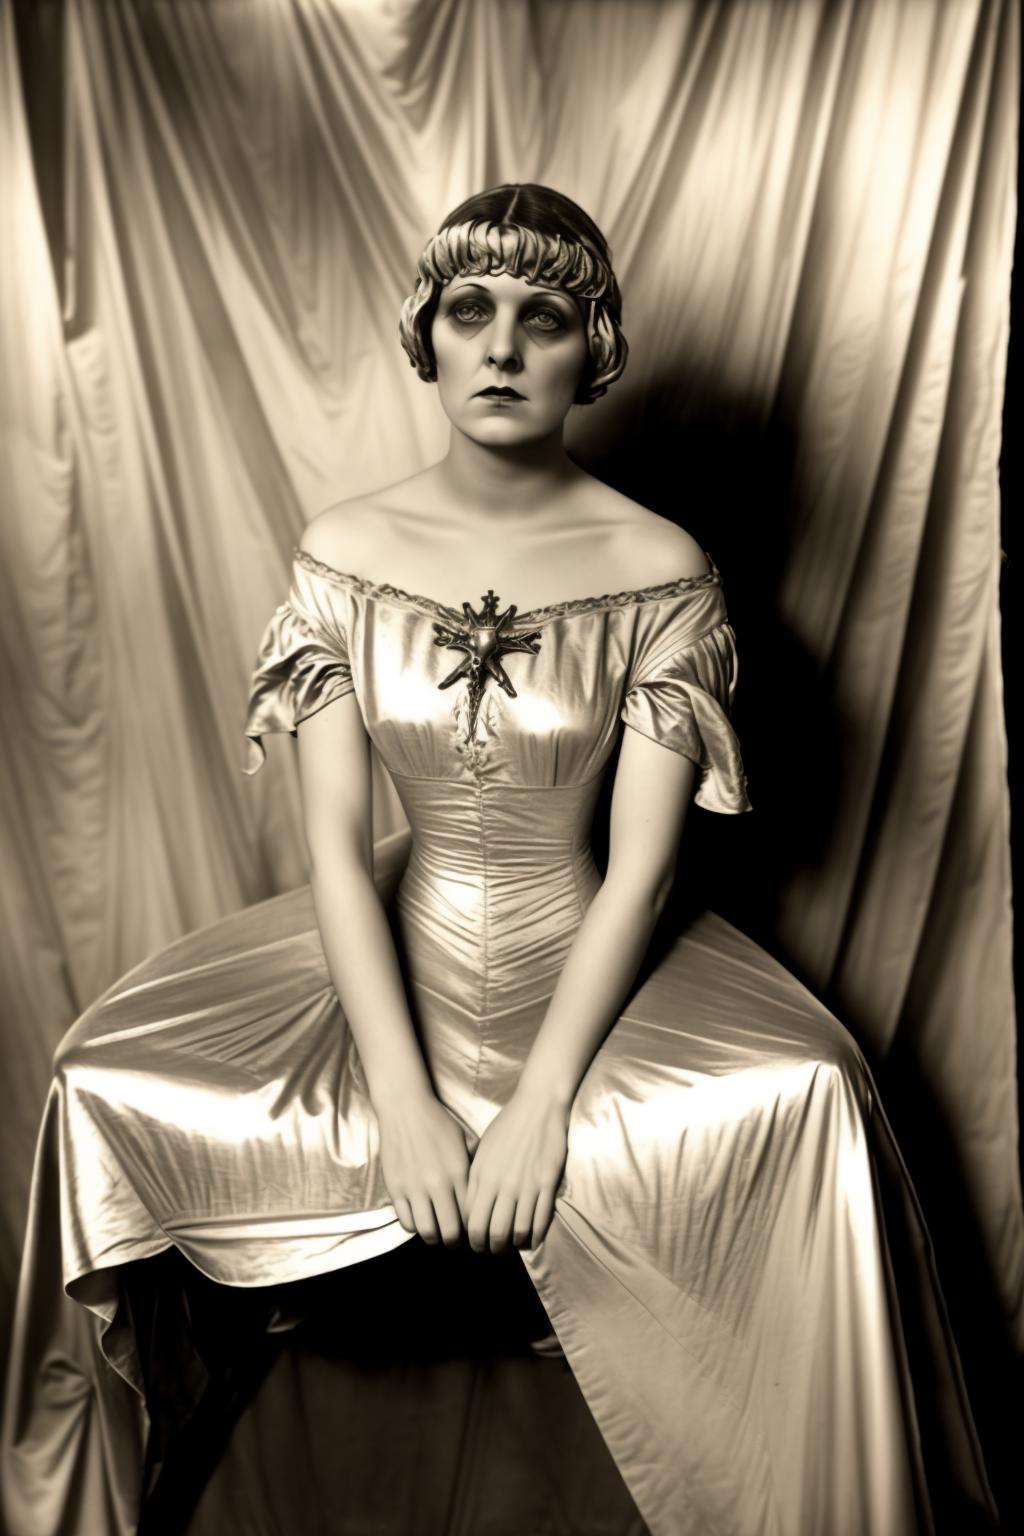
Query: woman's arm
{"x": 519, "y": 1161}
{"x": 652, "y": 791}
{"x": 424, "y": 1158}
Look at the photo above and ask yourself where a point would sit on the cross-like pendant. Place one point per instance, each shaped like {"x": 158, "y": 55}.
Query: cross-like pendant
{"x": 484, "y": 639}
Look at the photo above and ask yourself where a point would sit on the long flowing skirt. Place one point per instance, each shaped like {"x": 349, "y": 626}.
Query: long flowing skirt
{"x": 737, "y": 1269}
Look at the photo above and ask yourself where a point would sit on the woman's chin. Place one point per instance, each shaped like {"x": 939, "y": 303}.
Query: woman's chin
{"x": 503, "y": 430}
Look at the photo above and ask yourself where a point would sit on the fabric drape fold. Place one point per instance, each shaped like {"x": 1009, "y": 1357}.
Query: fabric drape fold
{"x": 682, "y": 703}
{"x": 297, "y": 672}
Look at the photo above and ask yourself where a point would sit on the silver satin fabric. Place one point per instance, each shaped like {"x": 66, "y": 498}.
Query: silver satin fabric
{"x": 717, "y": 1269}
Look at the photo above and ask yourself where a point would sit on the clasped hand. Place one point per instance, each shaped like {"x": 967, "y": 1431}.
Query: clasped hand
{"x": 505, "y": 1194}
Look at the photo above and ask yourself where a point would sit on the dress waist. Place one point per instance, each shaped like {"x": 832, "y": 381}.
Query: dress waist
{"x": 491, "y": 828}
{"x": 496, "y": 885}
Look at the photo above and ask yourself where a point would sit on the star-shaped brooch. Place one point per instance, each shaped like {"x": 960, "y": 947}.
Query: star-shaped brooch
{"x": 484, "y": 638}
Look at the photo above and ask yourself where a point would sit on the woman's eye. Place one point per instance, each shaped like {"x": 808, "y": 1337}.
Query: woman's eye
{"x": 547, "y": 319}
{"x": 468, "y": 311}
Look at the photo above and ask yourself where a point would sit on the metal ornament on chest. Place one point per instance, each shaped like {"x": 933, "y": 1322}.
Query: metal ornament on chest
{"x": 485, "y": 639}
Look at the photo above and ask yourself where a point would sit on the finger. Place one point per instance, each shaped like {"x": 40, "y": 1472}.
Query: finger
{"x": 542, "y": 1216}
{"x": 426, "y": 1226}
{"x": 479, "y": 1222}
{"x": 448, "y": 1218}
{"x": 523, "y": 1224}
{"x": 403, "y": 1210}
{"x": 501, "y": 1222}
{"x": 460, "y": 1189}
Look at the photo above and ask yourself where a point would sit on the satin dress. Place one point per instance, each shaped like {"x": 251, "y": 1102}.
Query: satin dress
{"x": 736, "y": 1270}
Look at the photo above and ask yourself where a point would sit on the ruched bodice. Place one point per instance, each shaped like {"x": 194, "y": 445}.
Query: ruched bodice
{"x": 495, "y": 887}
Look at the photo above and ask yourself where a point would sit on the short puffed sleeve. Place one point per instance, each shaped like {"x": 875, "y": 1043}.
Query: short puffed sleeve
{"x": 679, "y": 694}
{"x": 301, "y": 666}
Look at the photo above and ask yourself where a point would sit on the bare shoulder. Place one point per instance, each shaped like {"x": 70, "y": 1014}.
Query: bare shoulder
{"x": 346, "y": 533}
{"x": 667, "y": 551}
{"x": 353, "y": 533}
{"x": 652, "y": 548}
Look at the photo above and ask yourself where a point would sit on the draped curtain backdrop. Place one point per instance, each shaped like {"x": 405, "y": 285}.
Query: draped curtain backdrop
{"x": 211, "y": 213}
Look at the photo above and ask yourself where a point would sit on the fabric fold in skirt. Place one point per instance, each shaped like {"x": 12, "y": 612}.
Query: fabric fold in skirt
{"x": 737, "y": 1268}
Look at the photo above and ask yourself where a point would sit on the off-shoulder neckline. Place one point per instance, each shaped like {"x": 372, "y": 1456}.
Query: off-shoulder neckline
{"x": 385, "y": 591}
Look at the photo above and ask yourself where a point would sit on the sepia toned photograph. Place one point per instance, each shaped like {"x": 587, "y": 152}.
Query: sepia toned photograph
{"x": 510, "y": 588}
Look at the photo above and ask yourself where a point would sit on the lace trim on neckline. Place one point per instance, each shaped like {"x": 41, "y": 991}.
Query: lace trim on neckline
{"x": 570, "y": 605}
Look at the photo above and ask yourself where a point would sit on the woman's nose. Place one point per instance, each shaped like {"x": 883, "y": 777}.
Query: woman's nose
{"x": 502, "y": 348}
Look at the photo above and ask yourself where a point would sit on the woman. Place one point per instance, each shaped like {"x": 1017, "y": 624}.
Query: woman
{"x": 692, "y": 1170}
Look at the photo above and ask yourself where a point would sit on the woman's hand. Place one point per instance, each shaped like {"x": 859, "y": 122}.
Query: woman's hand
{"x": 515, "y": 1172}
{"x": 425, "y": 1164}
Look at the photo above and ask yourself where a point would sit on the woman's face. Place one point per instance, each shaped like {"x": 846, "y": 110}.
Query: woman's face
{"x": 493, "y": 333}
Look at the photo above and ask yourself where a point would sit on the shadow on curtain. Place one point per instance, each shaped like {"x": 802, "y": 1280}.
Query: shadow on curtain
{"x": 811, "y": 209}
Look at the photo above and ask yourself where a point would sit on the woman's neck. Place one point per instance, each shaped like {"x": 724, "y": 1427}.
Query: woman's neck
{"x": 507, "y": 482}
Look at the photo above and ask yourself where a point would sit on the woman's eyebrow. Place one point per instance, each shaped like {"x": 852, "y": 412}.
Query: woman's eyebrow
{"x": 555, "y": 293}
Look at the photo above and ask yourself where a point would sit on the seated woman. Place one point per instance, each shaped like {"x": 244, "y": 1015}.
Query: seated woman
{"x": 693, "y": 1167}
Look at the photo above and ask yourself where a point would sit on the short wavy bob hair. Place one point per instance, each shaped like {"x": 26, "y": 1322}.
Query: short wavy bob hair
{"x": 532, "y": 232}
